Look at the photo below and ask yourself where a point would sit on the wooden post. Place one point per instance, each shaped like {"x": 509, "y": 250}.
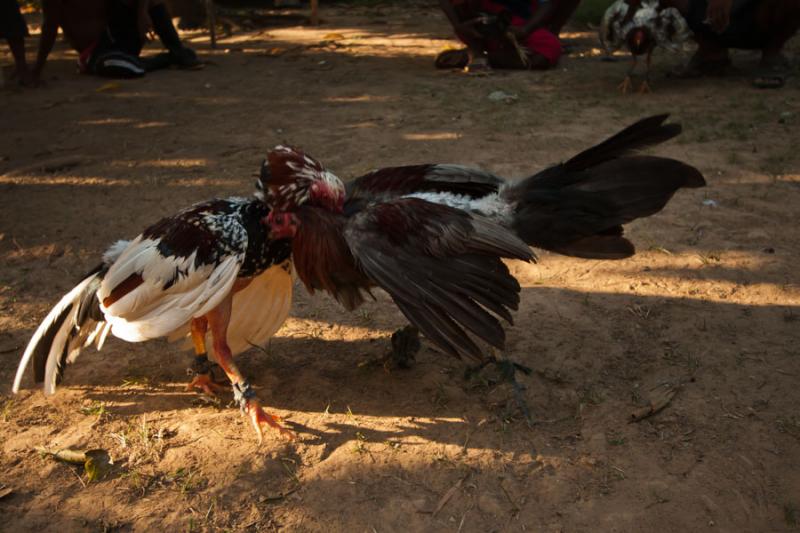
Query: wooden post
{"x": 212, "y": 22}
{"x": 314, "y": 12}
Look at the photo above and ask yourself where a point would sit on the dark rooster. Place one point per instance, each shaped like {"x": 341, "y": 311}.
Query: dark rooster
{"x": 641, "y": 26}
{"x": 208, "y": 270}
{"x": 441, "y": 265}
{"x": 576, "y": 208}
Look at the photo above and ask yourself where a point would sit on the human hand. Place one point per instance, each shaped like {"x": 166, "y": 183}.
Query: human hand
{"x": 718, "y": 14}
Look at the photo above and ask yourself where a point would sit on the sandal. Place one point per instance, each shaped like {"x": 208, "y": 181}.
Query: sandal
{"x": 452, "y": 59}
{"x": 479, "y": 66}
{"x": 772, "y": 74}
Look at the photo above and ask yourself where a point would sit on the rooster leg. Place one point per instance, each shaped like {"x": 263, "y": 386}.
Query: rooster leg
{"x": 645, "y": 87}
{"x": 203, "y": 378}
{"x": 243, "y": 393}
{"x": 507, "y": 370}
{"x": 627, "y": 84}
{"x": 405, "y": 345}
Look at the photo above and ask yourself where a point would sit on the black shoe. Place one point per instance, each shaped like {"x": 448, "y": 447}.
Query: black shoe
{"x": 184, "y": 58}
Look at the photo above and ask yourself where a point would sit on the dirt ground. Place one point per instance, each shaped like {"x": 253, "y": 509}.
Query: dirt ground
{"x": 709, "y": 307}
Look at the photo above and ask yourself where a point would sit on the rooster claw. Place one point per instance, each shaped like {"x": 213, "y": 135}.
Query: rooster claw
{"x": 258, "y": 417}
{"x": 206, "y": 384}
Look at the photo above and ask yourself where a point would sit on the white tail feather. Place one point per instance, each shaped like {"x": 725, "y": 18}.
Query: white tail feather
{"x": 71, "y": 298}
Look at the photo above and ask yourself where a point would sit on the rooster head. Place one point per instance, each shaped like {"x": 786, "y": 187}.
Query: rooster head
{"x": 290, "y": 179}
{"x": 639, "y": 40}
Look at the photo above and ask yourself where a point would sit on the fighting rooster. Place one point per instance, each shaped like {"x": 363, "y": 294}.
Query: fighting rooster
{"x": 641, "y": 26}
{"x": 576, "y": 208}
{"x": 441, "y": 265}
{"x": 210, "y": 270}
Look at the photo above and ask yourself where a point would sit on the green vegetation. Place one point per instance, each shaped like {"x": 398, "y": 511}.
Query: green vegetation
{"x": 591, "y": 11}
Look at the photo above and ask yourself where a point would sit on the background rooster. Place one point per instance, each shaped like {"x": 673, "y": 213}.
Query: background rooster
{"x": 209, "y": 270}
{"x": 377, "y": 231}
{"x": 641, "y": 26}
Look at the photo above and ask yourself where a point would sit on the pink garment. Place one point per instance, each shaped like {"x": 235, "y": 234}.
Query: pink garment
{"x": 541, "y": 40}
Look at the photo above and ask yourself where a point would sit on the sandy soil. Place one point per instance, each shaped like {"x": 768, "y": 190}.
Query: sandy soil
{"x": 710, "y": 305}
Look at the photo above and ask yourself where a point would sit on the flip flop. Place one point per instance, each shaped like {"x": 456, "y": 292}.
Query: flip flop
{"x": 452, "y": 59}
{"x": 479, "y": 67}
{"x": 771, "y": 76}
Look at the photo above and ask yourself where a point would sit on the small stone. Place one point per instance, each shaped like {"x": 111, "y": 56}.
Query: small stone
{"x": 502, "y": 96}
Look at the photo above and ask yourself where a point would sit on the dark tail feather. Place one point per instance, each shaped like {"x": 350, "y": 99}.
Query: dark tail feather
{"x": 73, "y": 323}
{"x": 578, "y": 208}
{"x": 647, "y": 132}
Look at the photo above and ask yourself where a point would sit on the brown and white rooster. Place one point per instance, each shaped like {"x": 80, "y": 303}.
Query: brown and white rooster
{"x": 421, "y": 232}
{"x": 641, "y": 26}
{"x": 441, "y": 265}
{"x": 209, "y": 271}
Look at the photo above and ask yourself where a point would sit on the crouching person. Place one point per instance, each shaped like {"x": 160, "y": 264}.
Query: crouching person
{"x": 511, "y": 34}
{"x": 109, "y": 36}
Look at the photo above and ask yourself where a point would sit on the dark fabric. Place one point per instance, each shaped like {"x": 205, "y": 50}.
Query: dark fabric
{"x": 162, "y": 25}
{"x": 117, "y": 64}
{"x": 742, "y": 32}
{"x": 122, "y": 33}
{"x": 520, "y": 8}
{"x": 12, "y": 25}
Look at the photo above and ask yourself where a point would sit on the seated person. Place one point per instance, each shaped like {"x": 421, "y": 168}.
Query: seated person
{"x": 719, "y": 25}
{"x": 516, "y": 34}
{"x": 14, "y": 30}
{"x": 109, "y": 36}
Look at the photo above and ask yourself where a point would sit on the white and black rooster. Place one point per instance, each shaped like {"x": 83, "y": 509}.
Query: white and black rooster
{"x": 641, "y": 26}
{"x": 210, "y": 272}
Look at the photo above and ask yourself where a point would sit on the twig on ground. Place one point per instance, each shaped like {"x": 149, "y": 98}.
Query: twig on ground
{"x": 656, "y": 404}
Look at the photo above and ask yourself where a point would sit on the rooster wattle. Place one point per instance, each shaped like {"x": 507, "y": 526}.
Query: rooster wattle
{"x": 210, "y": 270}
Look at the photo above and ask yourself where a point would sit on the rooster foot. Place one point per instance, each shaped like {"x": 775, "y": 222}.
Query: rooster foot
{"x": 626, "y": 86}
{"x": 245, "y": 396}
{"x": 258, "y": 417}
{"x": 507, "y": 370}
{"x": 405, "y": 346}
{"x": 644, "y": 88}
{"x": 206, "y": 384}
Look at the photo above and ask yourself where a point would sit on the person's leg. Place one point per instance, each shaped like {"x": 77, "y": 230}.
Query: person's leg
{"x": 14, "y": 30}
{"x": 712, "y": 56}
{"x": 17, "y": 46}
{"x": 562, "y": 11}
{"x": 779, "y": 20}
{"x": 116, "y": 54}
{"x": 461, "y": 13}
{"x": 162, "y": 25}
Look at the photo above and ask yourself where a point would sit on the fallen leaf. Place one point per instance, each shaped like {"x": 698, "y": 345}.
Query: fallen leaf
{"x": 108, "y": 87}
{"x": 97, "y": 464}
